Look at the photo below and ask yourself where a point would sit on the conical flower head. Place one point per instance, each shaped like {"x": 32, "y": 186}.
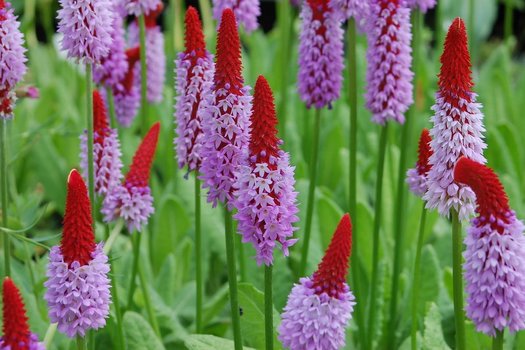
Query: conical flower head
{"x": 86, "y": 27}
{"x": 389, "y": 78}
{"x": 17, "y": 335}
{"x": 132, "y": 200}
{"x": 320, "y": 54}
{"x": 319, "y": 307}
{"x": 12, "y": 59}
{"x": 127, "y": 92}
{"x": 495, "y": 254}
{"x": 457, "y": 129}
{"x": 106, "y": 149}
{"x": 417, "y": 177}
{"x": 195, "y": 70}
{"x": 77, "y": 293}
{"x": 246, "y": 11}
{"x": 226, "y": 122}
{"x": 139, "y": 7}
{"x": 422, "y": 5}
{"x": 265, "y": 195}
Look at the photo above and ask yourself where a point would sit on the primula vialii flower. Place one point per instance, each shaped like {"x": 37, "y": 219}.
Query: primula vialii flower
{"x": 106, "y": 150}
{"x": 127, "y": 93}
{"x": 389, "y": 78}
{"x": 246, "y": 12}
{"x": 320, "y": 54}
{"x": 17, "y": 335}
{"x": 12, "y": 59}
{"x": 138, "y": 7}
{"x": 265, "y": 195}
{"x": 495, "y": 255}
{"x": 194, "y": 69}
{"x": 422, "y": 5}
{"x": 132, "y": 200}
{"x": 86, "y": 27}
{"x": 77, "y": 293}
{"x": 357, "y": 9}
{"x": 319, "y": 307}
{"x": 458, "y": 127}
{"x": 226, "y": 121}
{"x": 155, "y": 55}
{"x": 417, "y": 177}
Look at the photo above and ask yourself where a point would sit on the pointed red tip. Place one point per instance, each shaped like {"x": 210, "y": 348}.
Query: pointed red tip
{"x": 424, "y": 153}
{"x": 331, "y": 272}
{"x": 78, "y": 240}
{"x": 139, "y": 171}
{"x": 263, "y": 141}
{"x": 456, "y": 75}
{"x": 490, "y": 194}
{"x": 151, "y": 18}
{"x": 15, "y": 328}
{"x": 100, "y": 118}
{"x": 228, "y": 69}
{"x": 193, "y": 37}
{"x": 2, "y": 4}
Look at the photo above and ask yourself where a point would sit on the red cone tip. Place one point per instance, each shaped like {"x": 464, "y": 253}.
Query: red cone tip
{"x": 456, "y": 75}
{"x": 100, "y": 118}
{"x": 151, "y": 18}
{"x": 228, "y": 69}
{"x": 15, "y": 328}
{"x": 331, "y": 272}
{"x": 424, "y": 153}
{"x": 193, "y": 36}
{"x": 2, "y": 4}
{"x": 490, "y": 194}
{"x": 264, "y": 121}
{"x": 78, "y": 240}
{"x": 139, "y": 171}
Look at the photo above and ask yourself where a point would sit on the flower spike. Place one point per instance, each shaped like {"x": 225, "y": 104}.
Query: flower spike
{"x": 127, "y": 92}
{"x": 357, "y": 9}
{"x": 319, "y": 307}
{"x": 139, "y": 7}
{"x": 417, "y": 177}
{"x": 422, "y": 5}
{"x": 495, "y": 253}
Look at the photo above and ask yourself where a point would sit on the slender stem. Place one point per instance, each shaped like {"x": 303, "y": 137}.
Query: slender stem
{"x": 497, "y": 341}
{"x": 143, "y": 75}
{"x": 135, "y": 239}
{"x": 439, "y": 27}
{"x": 406, "y": 136}
{"x": 3, "y": 190}
{"x": 243, "y": 277}
{"x": 417, "y": 276}
{"x": 111, "y": 103}
{"x": 116, "y": 305}
{"x": 113, "y": 236}
{"x": 311, "y": 193}
{"x": 198, "y": 255}
{"x": 268, "y": 307}
{"x": 89, "y": 120}
{"x": 91, "y": 339}
{"x": 147, "y": 302}
{"x": 457, "y": 275}
{"x": 81, "y": 343}
{"x": 508, "y": 19}
{"x": 377, "y": 225}
{"x": 287, "y": 20}
{"x": 232, "y": 279}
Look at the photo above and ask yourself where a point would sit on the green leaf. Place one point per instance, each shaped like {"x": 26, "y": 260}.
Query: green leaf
{"x": 209, "y": 342}
{"x": 433, "y": 337}
{"x": 430, "y": 277}
{"x": 138, "y": 333}
{"x": 329, "y": 214}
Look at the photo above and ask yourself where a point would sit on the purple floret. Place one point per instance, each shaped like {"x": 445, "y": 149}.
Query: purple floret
{"x": 246, "y": 12}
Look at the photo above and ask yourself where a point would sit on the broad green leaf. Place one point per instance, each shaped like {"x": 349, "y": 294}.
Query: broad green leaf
{"x": 430, "y": 278}
{"x": 209, "y": 342}
{"x": 433, "y": 335}
{"x": 138, "y": 333}
{"x": 329, "y": 214}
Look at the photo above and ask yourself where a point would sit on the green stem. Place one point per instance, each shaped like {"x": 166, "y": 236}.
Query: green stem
{"x": 416, "y": 278}
{"x": 508, "y": 19}
{"x": 232, "y": 279}
{"x": 3, "y": 190}
{"x": 287, "y": 20}
{"x": 268, "y": 307}
{"x": 311, "y": 193}
{"x": 143, "y": 75}
{"x": 198, "y": 255}
{"x": 147, "y": 302}
{"x": 497, "y": 341}
{"x": 406, "y": 136}
{"x": 111, "y": 104}
{"x": 243, "y": 277}
{"x": 91, "y": 339}
{"x": 377, "y": 225}
{"x": 116, "y": 305}
{"x": 89, "y": 120}
{"x": 81, "y": 343}
{"x": 135, "y": 239}
{"x": 458, "y": 281}
{"x": 113, "y": 236}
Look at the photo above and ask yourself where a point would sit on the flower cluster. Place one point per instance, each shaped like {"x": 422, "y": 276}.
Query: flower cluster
{"x": 246, "y": 12}
{"x": 12, "y": 59}
{"x": 422, "y": 5}
{"x": 194, "y": 69}
{"x": 78, "y": 293}
{"x": 458, "y": 127}
{"x": 389, "y": 78}
{"x": 320, "y": 54}
{"x": 226, "y": 121}
{"x": 417, "y": 177}
{"x": 319, "y": 307}
{"x": 139, "y": 7}
{"x": 357, "y": 9}
{"x": 132, "y": 200}
{"x": 265, "y": 196}
{"x": 495, "y": 254}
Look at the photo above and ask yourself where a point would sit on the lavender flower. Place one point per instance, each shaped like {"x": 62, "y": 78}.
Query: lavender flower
{"x": 423, "y": 5}
{"x": 357, "y": 9}
{"x": 87, "y": 27}
{"x": 320, "y": 54}
{"x": 389, "y": 78}
{"x": 12, "y": 59}
{"x": 246, "y": 12}
{"x": 139, "y": 7}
